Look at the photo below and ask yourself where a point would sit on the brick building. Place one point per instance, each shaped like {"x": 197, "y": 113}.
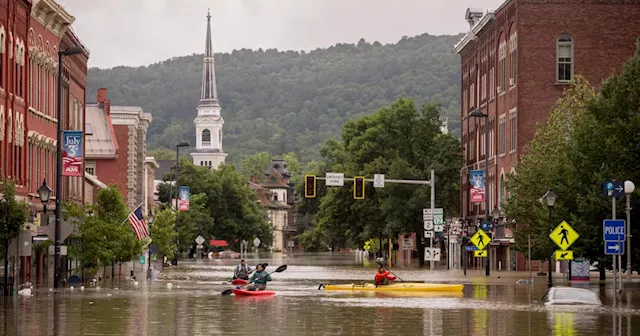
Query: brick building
{"x": 516, "y": 61}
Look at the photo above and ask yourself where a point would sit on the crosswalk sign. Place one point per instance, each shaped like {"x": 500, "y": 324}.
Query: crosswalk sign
{"x": 480, "y": 254}
{"x": 480, "y": 239}
{"x": 564, "y": 255}
{"x": 564, "y": 235}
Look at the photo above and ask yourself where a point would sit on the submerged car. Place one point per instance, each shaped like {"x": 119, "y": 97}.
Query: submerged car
{"x": 562, "y": 296}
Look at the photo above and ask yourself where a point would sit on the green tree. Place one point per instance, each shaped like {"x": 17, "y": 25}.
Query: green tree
{"x": 163, "y": 234}
{"x": 255, "y": 165}
{"x": 162, "y": 153}
{"x": 13, "y": 214}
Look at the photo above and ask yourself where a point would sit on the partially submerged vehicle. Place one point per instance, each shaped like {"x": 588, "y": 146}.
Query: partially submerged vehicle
{"x": 565, "y": 296}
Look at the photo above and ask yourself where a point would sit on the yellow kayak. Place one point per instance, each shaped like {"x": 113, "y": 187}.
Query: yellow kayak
{"x": 398, "y": 287}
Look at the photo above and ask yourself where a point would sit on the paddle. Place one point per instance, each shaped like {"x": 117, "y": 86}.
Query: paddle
{"x": 399, "y": 278}
{"x": 278, "y": 270}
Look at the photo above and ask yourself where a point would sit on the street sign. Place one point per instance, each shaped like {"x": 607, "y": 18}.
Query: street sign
{"x": 428, "y": 234}
{"x": 378, "y": 180}
{"x": 564, "y": 235}
{"x": 199, "y": 240}
{"x": 480, "y": 239}
{"x": 427, "y": 217}
{"x": 613, "y": 248}
{"x": 614, "y": 230}
{"x": 480, "y": 254}
{"x": 438, "y": 228}
{"x": 613, "y": 188}
{"x": 407, "y": 244}
{"x": 199, "y": 247}
{"x": 431, "y": 254}
{"x": 438, "y": 219}
{"x": 564, "y": 255}
{"x": 256, "y": 242}
{"x": 470, "y": 248}
{"x": 437, "y": 211}
{"x": 486, "y": 225}
{"x": 141, "y": 260}
{"x": 428, "y": 225}
{"x": 334, "y": 179}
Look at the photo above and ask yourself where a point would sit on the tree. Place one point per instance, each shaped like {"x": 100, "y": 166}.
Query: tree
{"x": 255, "y": 165}
{"x": 163, "y": 234}
{"x": 13, "y": 214}
{"x": 162, "y": 153}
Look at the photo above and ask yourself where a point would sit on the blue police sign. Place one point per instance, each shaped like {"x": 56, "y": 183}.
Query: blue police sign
{"x": 613, "y": 248}
{"x": 470, "y": 248}
{"x": 614, "y": 230}
{"x": 613, "y": 188}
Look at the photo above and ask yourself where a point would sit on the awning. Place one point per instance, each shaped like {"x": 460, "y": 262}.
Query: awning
{"x": 218, "y": 243}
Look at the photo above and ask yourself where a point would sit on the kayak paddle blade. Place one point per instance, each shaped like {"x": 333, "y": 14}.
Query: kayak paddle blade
{"x": 227, "y": 292}
{"x": 281, "y": 269}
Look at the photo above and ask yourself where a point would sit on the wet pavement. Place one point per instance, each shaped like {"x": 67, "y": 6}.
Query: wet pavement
{"x": 192, "y": 305}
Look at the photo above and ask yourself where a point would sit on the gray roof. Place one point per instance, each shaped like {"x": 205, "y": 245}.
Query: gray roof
{"x": 99, "y": 139}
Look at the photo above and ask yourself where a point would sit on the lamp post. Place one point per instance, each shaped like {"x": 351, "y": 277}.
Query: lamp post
{"x": 56, "y": 261}
{"x": 478, "y": 114}
{"x": 182, "y": 144}
{"x": 550, "y": 197}
{"x": 629, "y": 187}
{"x": 448, "y": 221}
{"x": 150, "y": 221}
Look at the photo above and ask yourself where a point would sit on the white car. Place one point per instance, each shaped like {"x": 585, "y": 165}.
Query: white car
{"x": 562, "y": 296}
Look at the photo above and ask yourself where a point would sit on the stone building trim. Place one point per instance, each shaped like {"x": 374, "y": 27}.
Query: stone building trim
{"x": 52, "y": 16}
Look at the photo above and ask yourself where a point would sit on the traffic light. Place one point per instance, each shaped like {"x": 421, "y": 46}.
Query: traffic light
{"x": 358, "y": 187}
{"x": 309, "y": 186}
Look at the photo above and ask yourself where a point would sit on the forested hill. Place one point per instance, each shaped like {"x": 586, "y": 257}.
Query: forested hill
{"x": 282, "y": 101}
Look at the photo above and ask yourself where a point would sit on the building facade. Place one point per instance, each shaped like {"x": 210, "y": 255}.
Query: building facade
{"x": 515, "y": 63}
{"x": 209, "y": 121}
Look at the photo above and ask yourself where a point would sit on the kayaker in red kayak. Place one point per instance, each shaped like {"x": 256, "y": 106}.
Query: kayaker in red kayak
{"x": 242, "y": 271}
{"x": 259, "y": 279}
{"x": 383, "y": 277}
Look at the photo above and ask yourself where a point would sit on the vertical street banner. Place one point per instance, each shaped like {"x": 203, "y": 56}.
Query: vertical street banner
{"x": 477, "y": 186}
{"x": 183, "y": 198}
{"x": 72, "y": 153}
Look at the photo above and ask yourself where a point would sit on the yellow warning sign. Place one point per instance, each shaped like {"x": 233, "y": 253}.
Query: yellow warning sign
{"x": 480, "y": 240}
{"x": 480, "y": 254}
{"x": 564, "y": 255}
{"x": 564, "y": 235}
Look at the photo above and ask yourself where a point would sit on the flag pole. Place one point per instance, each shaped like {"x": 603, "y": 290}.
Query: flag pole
{"x": 129, "y": 214}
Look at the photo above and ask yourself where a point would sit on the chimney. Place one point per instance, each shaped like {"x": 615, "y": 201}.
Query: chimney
{"x": 102, "y": 95}
{"x": 107, "y": 107}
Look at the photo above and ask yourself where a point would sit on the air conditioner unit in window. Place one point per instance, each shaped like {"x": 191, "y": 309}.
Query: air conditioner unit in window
{"x": 512, "y": 81}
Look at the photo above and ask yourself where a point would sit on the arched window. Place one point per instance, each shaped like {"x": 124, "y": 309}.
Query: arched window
{"x": 201, "y": 163}
{"x": 210, "y": 164}
{"x": 206, "y": 136}
{"x": 503, "y": 190}
{"x": 564, "y": 58}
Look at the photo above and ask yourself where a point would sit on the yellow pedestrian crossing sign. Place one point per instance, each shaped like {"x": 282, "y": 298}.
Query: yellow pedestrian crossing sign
{"x": 564, "y": 235}
{"x": 564, "y": 255}
{"x": 480, "y": 239}
{"x": 480, "y": 254}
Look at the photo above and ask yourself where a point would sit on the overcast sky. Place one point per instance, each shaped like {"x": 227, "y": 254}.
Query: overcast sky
{"x": 140, "y": 32}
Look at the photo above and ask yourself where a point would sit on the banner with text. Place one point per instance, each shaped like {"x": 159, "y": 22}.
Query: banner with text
{"x": 183, "y": 198}
{"x": 477, "y": 186}
{"x": 72, "y": 153}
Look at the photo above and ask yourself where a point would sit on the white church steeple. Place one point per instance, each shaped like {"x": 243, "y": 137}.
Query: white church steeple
{"x": 209, "y": 121}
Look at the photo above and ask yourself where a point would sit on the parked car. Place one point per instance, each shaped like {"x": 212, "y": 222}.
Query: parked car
{"x": 557, "y": 296}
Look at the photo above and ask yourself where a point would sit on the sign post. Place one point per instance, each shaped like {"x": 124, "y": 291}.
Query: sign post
{"x": 614, "y": 189}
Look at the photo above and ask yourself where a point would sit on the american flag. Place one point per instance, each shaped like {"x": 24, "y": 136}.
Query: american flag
{"x": 137, "y": 222}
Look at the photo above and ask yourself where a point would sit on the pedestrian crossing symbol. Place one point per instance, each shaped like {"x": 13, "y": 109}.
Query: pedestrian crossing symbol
{"x": 480, "y": 239}
{"x": 564, "y": 235}
{"x": 480, "y": 254}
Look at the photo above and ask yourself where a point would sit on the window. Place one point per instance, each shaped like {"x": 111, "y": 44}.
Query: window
{"x": 88, "y": 129}
{"x": 501, "y": 67}
{"x": 472, "y": 96}
{"x": 513, "y": 58}
{"x": 206, "y": 136}
{"x": 492, "y": 83}
{"x": 465, "y": 107}
{"x": 503, "y": 190}
{"x": 482, "y": 146}
{"x": 502, "y": 134}
{"x": 46, "y": 92}
{"x": 472, "y": 148}
{"x": 564, "y": 58}
{"x": 90, "y": 168}
{"x": 513, "y": 127}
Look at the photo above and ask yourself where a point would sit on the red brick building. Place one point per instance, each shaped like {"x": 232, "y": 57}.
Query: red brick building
{"x": 516, "y": 61}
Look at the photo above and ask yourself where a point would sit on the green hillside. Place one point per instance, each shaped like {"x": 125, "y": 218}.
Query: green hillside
{"x": 282, "y": 101}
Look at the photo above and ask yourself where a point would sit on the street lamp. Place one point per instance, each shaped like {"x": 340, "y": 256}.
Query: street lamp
{"x": 45, "y": 193}
{"x": 629, "y": 187}
{"x": 150, "y": 221}
{"x": 477, "y": 114}
{"x": 182, "y": 144}
{"x": 56, "y": 261}
{"x": 495, "y": 215}
{"x": 550, "y": 197}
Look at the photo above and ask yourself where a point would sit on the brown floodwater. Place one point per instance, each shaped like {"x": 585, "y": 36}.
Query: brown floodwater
{"x": 192, "y": 305}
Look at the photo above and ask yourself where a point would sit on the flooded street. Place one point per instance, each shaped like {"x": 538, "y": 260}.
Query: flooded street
{"x": 192, "y": 305}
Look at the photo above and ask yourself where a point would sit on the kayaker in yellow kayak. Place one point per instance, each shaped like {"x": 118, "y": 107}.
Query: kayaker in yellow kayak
{"x": 383, "y": 277}
{"x": 258, "y": 280}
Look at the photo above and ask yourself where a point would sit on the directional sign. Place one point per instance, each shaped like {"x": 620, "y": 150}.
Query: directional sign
{"x": 431, "y": 254}
{"x": 200, "y": 247}
{"x": 438, "y": 219}
{"x": 437, "y": 211}
{"x": 614, "y": 230}
{"x": 428, "y": 234}
{"x": 480, "y": 239}
{"x": 428, "y": 225}
{"x": 199, "y": 240}
{"x": 613, "y": 248}
{"x": 470, "y": 248}
{"x": 438, "y": 228}
{"x": 378, "y": 180}
{"x": 564, "y": 255}
{"x": 480, "y": 254}
{"x": 427, "y": 217}
{"x": 334, "y": 179}
{"x": 613, "y": 188}
{"x": 564, "y": 235}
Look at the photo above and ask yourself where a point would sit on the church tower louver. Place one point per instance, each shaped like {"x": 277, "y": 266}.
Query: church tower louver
{"x": 209, "y": 120}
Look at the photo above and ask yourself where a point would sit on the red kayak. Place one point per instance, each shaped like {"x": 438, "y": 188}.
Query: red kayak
{"x": 239, "y": 282}
{"x": 242, "y": 292}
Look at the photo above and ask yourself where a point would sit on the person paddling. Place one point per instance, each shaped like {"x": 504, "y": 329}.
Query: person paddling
{"x": 259, "y": 279}
{"x": 242, "y": 271}
{"x": 383, "y": 277}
